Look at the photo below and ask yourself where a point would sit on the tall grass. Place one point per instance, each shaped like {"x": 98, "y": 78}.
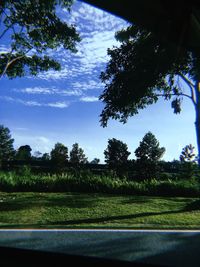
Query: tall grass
{"x": 88, "y": 182}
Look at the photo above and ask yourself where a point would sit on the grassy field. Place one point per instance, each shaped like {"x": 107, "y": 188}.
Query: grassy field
{"x": 81, "y": 210}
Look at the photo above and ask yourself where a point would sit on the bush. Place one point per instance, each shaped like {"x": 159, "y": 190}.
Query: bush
{"x": 85, "y": 181}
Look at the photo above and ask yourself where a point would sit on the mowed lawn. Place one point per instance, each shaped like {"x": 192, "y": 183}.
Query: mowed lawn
{"x": 81, "y": 210}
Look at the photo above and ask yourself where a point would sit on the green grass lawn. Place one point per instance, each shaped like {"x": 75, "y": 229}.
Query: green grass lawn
{"x": 81, "y": 210}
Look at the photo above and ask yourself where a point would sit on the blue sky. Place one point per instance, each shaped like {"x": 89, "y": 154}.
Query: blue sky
{"x": 63, "y": 106}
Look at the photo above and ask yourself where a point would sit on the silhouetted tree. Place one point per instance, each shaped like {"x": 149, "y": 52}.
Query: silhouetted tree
{"x": 142, "y": 70}
{"x": 59, "y": 155}
{"x": 116, "y": 153}
{"x": 148, "y": 154}
{"x": 46, "y": 156}
{"x": 32, "y": 29}
{"x": 77, "y": 155}
{"x": 6, "y": 144}
{"x": 188, "y": 159}
{"x": 149, "y": 148}
{"x": 95, "y": 161}
{"x": 37, "y": 155}
{"x": 23, "y": 153}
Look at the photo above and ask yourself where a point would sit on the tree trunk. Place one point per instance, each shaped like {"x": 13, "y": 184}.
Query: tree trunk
{"x": 197, "y": 122}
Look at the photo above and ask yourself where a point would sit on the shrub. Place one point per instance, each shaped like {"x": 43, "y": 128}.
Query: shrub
{"x": 85, "y": 181}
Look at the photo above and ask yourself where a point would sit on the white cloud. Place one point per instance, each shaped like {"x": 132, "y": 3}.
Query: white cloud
{"x": 97, "y": 29}
{"x": 37, "y": 143}
{"x": 89, "y": 99}
{"x": 37, "y": 90}
{"x": 89, "y": 85}
{"x": 49, "y": 91}
{"x": 63, "y": 104}
{"x": 55, "y": 75}
{"x": 58, "y": 105}
{"x": 3, "y": 49}
{"x": 29, "y": 103}
{"x": 43, "y": 139}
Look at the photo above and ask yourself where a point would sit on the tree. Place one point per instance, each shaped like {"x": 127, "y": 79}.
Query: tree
{"x": 37, "y": 155}
{"x": 188, "y": 154}
{"x": 149, "y": 149}
{"x": 95, "y": 161}
{"x": 23, "y": 153}
{"x": 77, "y": 155}
{"x": 45, "y": 156}
{"x": 59, "y": 155}
{"x": 6, "y": 144}
{"x": 142, "y": 70}
{"x": 34, "y": 29}
{"x": 188, "y": 161}
{"x": 148, "y": 155}
{"x": 116, "y": 153}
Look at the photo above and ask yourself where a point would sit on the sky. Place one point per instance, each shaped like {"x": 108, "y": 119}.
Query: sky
{"x": 64, "y": 107}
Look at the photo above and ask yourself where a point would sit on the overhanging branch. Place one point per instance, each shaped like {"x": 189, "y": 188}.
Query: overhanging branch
{"x": 181, "y": 94}
{"x": 191, "y": 86}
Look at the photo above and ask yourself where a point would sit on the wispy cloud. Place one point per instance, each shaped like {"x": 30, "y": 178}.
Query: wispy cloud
{"x": 89, "y": 99}
{"x": 86, "y": 85}
{"x": 31, "y": 103}
{"x": 58, "y": 105}
{"x": 92, "y": 50}
{"x": 4, "y": 49}
{"x": 37, "y": 143}
{"x": 49, "y": 91}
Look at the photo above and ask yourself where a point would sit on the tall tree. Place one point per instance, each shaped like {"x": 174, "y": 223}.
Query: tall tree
{"x": 33, "y": 29}
{"x": 77, "y": 155}
{"x": 59, "y": 155}
{"x": 188, "y": 162}
{"x": 6, "y": 144}
{"x": 145, "y": 68}
{"x": 148, "y": 155}
{"x": 149, "y": 149}
{"x": 116, "y": 153}
{"x": 188, "y": 154}
{"x": 23, "y": 153}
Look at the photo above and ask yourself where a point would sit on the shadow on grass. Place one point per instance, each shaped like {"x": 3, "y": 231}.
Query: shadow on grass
{"x": 193, "y": 206}
{"x": 30, "y": 201}
{"x": 112, "y": 218}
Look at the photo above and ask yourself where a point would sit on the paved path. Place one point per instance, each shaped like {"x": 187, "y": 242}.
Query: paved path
{"x": 169, "y": 248}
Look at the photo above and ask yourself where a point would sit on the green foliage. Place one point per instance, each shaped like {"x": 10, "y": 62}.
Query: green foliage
{"x": 77, "y": 155}
{"x": 141, "y": 70}
{"x": 23, "y": 153}
{"x": 34, "y": 28}
{"x": 116, "y": 153}
{"x": 84, "y": 181}
{"x": 149, "y": 149}
{"x": 188, "y": 161}
{"x": 59, "y": 155}
{"x": 6, "y": 144}
{"x": 45, "y": 157}
{"x": 148, "y": 154}
{"x": 188, "y": 154}
{"x": 95, "y": 161}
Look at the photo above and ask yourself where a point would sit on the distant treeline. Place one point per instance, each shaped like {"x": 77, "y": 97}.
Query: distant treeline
{"x": 132, "y": 169}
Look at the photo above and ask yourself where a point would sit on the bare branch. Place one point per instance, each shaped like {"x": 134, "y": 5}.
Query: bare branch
{"x": 191, "y": 86}
{"x": 9, "y": 63}
{"x": 11, "y": 26}
{"x": 181, "y": 94}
